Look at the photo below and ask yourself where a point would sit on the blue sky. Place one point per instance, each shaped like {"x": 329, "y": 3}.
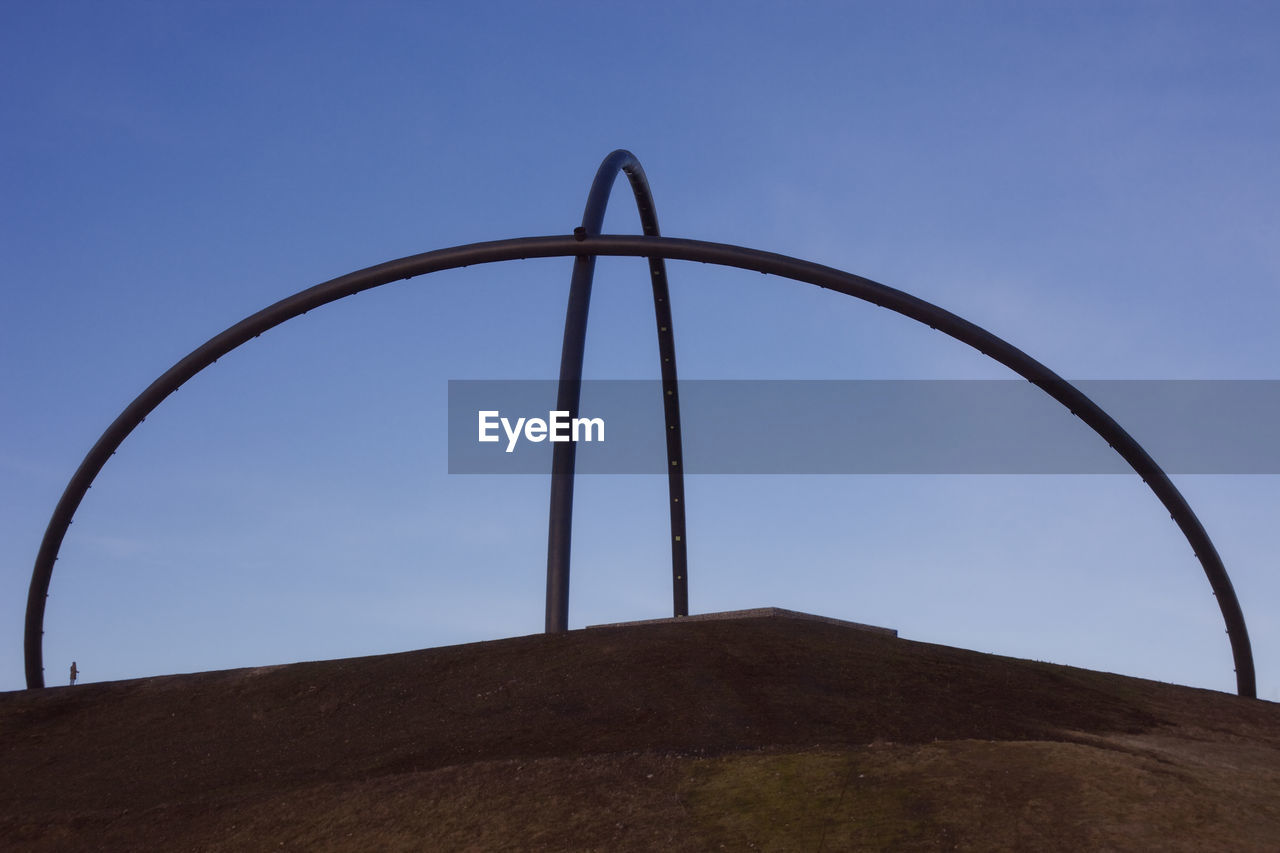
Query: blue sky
{"x": 1094, "y": 182}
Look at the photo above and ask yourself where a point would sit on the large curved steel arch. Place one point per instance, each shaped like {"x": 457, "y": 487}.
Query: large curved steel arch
{"x": 564, "y": 455}
{"x": 644, "y": 247}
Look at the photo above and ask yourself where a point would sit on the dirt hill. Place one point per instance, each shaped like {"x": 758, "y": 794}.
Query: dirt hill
{"x": 771, "y": 733}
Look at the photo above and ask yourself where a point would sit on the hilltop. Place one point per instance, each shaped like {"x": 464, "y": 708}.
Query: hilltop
{"x": 773, "y": 733}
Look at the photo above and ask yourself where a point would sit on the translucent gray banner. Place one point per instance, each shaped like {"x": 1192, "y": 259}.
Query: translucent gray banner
{"x": 864, "y": 427}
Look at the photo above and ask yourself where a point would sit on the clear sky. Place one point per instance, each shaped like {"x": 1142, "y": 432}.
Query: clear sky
{"x": 1095, "y": 182}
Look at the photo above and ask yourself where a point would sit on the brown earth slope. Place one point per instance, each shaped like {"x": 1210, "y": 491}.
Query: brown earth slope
{"x": 769, "y": 733}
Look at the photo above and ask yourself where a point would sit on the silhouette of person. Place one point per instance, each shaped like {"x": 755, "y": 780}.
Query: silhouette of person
{"x": 74, "y": 672}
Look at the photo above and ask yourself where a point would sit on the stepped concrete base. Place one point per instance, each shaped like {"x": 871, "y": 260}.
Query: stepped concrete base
{"x": 755, "y": 613}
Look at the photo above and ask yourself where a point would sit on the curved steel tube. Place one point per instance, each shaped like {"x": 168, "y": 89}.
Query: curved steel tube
{"x": 674, "y": 249}
{"x": 564, "y": 455}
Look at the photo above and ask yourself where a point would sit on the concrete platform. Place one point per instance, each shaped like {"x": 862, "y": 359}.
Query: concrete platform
{"x": 756, "y": 613}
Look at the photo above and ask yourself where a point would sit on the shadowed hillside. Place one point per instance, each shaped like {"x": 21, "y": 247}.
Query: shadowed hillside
{"x": 768, "y": 733}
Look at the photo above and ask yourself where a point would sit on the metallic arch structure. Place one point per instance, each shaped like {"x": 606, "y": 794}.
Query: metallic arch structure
{"x": 645, "y": 247}
{"x": 564, "y": 455}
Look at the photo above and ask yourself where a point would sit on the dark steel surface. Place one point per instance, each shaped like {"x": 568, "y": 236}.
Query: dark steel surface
{"x": 564, "y": 455}
{"x": 631, "y": 246}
